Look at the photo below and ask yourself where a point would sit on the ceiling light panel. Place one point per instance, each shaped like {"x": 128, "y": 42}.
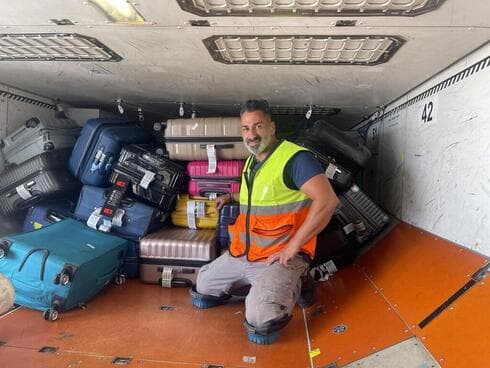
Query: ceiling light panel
{"x": 357, "y": 50}
{"x": 308, "y": 7}
{"x": 54, "y": 46}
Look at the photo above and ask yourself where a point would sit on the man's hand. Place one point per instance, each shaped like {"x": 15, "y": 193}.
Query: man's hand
{"x": 283, "y": 256}
{"x": 222, "y": 200}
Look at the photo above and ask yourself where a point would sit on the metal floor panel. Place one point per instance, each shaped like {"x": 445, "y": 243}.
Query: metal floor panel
{"x": 351, "y": 320}
{"x": 407, "y": 354}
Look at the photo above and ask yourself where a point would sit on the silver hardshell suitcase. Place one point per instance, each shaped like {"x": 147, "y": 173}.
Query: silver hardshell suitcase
{"x": 37, "y": 136}
{"x": 172, "y": 256}
{"x": 201, "y": 138}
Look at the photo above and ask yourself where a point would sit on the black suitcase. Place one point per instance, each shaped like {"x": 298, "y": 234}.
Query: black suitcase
{"x": 329, "y": 141}
{"x": 227, "y": 216}
{"x": 339, "y": 177}
{"x": 154, "y": 178}
{"x": 42, "y": 177}
{"x": 360, "y": 215}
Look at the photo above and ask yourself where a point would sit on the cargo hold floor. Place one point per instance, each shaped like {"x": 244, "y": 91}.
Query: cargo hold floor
{"x": 363, "y": 311}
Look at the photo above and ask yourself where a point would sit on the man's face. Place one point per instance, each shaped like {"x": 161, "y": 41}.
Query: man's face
{"x": 257, "y": 131}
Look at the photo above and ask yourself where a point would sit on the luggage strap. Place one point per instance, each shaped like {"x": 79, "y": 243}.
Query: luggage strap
{"x": 107, "y": 223}
{"x": 43, "y": 261}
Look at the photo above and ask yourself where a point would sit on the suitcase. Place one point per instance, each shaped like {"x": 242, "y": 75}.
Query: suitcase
{"x": 131, "y": 265}
{"x": 99, "y": 145}
{"x": 227, "y": 216}
{"x": 339, "y": 177}
{"x": 204, "y": 139}
{"x": 360, "y": 215}
{"x": 172, "y": 256}
{"x": 36, "y": 137}
{"x": 331, "y": 142}
{"x": 42, "y": 177}
{"x": 195, "y": 212}
{"x": 47, "y": 213}
{"x": 61, "y": 266}
{"x": 226, "y": 178}
{"x": 154, "y": 178}
{"x": 135, "y": 219}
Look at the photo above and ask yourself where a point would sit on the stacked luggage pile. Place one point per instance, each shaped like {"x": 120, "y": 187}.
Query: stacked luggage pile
{"x": 116, "y": 207}
{"x": 357, "y": 219}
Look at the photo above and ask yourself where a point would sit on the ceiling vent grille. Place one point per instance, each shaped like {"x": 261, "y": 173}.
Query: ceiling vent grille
{"x": 54, "y": 47}
{"x": 308, "y": 7}
{"x": 314, "y": 50}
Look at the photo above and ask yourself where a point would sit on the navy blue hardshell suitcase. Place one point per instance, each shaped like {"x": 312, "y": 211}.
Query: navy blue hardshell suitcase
{"x": 131, "y": 263}
{"x": 227, "y": 216}
{"x": 47, "y": 213}
{"x": 99, "y": 145}
{"x": 135, "y": 219}
{"x": 61, "y": 266}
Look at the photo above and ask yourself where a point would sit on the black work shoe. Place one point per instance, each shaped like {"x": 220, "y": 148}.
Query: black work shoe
{"x": 307, "y": 295}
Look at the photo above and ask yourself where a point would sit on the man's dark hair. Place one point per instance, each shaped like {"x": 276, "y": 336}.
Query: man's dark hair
{"x": 255, "y": 105}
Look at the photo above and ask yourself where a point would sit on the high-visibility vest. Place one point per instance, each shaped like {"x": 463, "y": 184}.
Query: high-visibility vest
{"x": 270, "y": 212}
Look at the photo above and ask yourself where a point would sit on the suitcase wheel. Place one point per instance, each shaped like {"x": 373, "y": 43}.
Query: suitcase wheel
{"x": 119, "y": 279}
{"x": 51, "y": 314}
{"x": 4, "y": 248}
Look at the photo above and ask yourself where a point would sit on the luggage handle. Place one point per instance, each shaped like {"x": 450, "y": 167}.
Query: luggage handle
{"x": 125, "y": 202}
{"x": 43, "y": 261}
{"x": 218, "y": 146}
{"x": 54, "y": 216}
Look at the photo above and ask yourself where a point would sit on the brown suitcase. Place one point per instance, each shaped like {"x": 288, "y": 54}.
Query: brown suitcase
{"x": 189, "y": 139}
{"x": 173, "y": 255}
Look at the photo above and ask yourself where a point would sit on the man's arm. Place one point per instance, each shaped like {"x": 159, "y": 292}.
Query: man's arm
{"x": 225, "y": 198}
{"x": 324, "y": 202}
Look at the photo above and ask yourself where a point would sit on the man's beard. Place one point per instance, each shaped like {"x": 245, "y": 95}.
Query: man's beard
{"x": 263, "y": 143}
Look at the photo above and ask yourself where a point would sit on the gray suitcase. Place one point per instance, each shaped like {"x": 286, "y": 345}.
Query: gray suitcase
{"x": 42, "y": 177}
{"x": 189, "y": 139}
{"x": 36, "y": 137}
{"x": 360, "y": 215}
{"x": 172, "y": 256}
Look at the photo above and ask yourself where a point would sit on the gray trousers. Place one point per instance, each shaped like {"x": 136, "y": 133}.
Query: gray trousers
{"x": 274, "y": 289}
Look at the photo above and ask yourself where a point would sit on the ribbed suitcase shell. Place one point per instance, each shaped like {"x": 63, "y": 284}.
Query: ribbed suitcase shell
{"x": 45, "y": 176}
{"x": 358, "y": 209}
{"x": 51, "y": 160}
{"x": 227, "y": 216}
{"x": 226, "y": 179}
{"x": 179, "y": 215}
{"x": 179, "y": 244}
{"x": 151, "y": 271}
{"x": 186, "y": 139}
{"x": 330, "y": 141}
{"x": 99, "y": 145}
{"x": 94, "y": 257}
{"x": 169, "y": 178}
{"x": 36, "y": 137}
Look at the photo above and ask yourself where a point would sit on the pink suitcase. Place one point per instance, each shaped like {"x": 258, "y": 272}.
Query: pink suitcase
{"x": 226, "y": 178}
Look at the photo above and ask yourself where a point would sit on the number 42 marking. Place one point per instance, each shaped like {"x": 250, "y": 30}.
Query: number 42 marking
{"x": 427, "y": 112}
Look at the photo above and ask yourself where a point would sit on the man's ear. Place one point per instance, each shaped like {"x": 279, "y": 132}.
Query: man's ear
{"x": 273, "y": 127}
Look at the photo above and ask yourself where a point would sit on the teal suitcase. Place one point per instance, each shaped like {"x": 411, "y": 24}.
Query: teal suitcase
{"x": 60, "y": 266}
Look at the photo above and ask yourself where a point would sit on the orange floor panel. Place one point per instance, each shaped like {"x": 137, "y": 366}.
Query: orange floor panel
{"x": 417, "y": 271}
{"x": 458, "y": 337}
{"x": 128, "y": 321}
{"x": 348, "y": 300}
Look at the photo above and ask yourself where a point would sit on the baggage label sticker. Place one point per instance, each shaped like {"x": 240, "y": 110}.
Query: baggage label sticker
{"x": 147, "y": 179}
{"x": 212, "y": 163}
{"x": 331, "y": 171}
{"x": 23, "y": 192}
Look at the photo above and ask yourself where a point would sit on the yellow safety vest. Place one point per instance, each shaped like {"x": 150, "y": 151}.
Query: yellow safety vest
{"x": 270, "y": 212}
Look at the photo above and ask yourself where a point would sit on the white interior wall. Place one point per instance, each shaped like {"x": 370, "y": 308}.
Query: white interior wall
{"x": 435, "y": 174}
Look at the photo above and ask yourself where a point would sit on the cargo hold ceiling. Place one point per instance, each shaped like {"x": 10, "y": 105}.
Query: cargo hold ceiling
{"x": 210, "y": 55}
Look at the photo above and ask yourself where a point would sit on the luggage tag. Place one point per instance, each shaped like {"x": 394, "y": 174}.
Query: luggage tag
{"x": 331, "y": 171}
{"x": 147, "y": 178}
{"x": 24, "y": 190}
{"x": 212, "y": 163}
{"x": 195, "y": 209}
